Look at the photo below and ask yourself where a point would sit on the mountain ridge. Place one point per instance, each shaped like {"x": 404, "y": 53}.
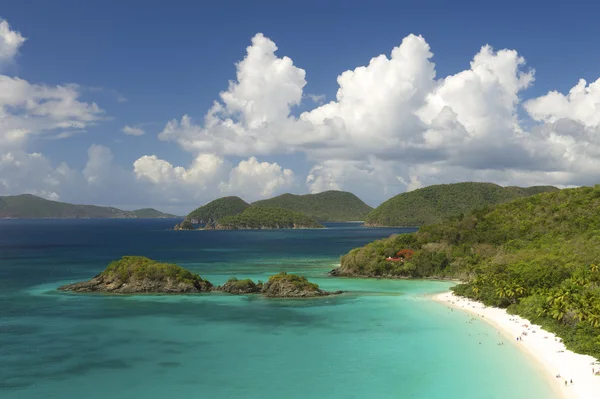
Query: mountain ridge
{"x": 326, "y": 206}
{"x": 432, "y": 204}
{"x": 29, "y": 206}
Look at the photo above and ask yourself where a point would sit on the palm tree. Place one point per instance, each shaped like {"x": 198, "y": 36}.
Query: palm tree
{"x": 501, "y": 291}
{"x": 520, "y": 290}
{"x": 594, "y": 319}
{"x": 558, "y": 312}
{"x": 510, "y": 292}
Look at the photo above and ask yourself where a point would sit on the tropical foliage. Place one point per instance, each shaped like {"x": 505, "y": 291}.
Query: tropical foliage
{"x": 141, "y": 268}
{"x": 217, "y": 209}
{"x": 259, "y": 217}
{"x": 434, "y": 203}
{"x": 328, "y": 206}
{"x": 299, "y": 282}
{"x": 537, "y": 256}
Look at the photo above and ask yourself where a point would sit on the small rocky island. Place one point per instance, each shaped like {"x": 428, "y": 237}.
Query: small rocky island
{"x": 141, "y": 275}
{"x": 281, "y": 285}
{"x": 138, "y": 274}
{"x": 285, "y": 285}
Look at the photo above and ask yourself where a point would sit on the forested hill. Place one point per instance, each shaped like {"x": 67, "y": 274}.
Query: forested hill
{"x": 434, "y": 203}
{"x": 538, "y": 256}
{"x": 328, "y": 206}
{"x": 29, "y": 206}
{"x": 217, "y": 209}
{"x": 263, "y": 217}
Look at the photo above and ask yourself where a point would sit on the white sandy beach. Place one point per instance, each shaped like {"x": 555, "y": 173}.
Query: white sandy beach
{"x": 543, "y": 346}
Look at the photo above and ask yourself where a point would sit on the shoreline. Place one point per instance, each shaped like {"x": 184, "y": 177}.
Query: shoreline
{"x": 544, "y": 347}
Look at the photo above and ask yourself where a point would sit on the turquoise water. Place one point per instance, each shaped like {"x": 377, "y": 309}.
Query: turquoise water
{"x": 382, "y": 339}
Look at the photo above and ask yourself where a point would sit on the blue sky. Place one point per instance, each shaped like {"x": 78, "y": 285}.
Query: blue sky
{"x": 169, "y": 59}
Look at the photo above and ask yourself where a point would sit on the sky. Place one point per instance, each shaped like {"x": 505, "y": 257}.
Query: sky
{"x": 172, "y": 104}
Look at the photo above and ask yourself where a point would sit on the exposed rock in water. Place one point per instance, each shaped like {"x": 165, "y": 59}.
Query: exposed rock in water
{"x": 140, "y": 275}
{"x": 137, "y": 274}
{"x": 285, "y": 285}
{"x": 235, "y": 286}
{"x": 280, "y": 285}
{"x": 185, "y": 225}
{"x": 335, "y": 272}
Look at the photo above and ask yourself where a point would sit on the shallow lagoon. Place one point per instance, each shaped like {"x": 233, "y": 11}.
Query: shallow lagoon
{"x": 382, "y": 339}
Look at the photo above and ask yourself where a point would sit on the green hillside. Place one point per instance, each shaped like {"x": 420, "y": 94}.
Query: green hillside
{"x": 434, "y": 203}
{"x": 217, "y": 209}
{"x": 262, "y": 217}
{"x": 538, "y": 256}
{"x": 29, "y": 206}
{"x": 328, "y": 206}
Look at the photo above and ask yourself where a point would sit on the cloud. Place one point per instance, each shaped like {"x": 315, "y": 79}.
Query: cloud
{"x": 582, "y": 104}
{"x": 253, "y": 115}
{"x": 203, "y": 169}
{"x": 210, "y": 176}
{"x": 10, "y": 42}
{"x": 372, "y": 179}
{"x": 395, "y": 123}
{"x": 253, "y": 180}
{"x": 28, "y": 110}
{"x": 133, "y": 131}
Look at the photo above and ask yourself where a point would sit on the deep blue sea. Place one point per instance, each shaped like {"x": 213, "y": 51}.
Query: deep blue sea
{"x": 381, "y": 339}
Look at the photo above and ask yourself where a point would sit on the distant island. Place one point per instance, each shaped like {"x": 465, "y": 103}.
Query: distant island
{"x": 141, "y": 275}
{"x": 328, "y": 206}
{"x": 433, "y": 204}
{"x": 538, "y": 256}
{"x": 217, "y": 209}
{"x": 262, "y": 217}
{"x": 27, "y": 206}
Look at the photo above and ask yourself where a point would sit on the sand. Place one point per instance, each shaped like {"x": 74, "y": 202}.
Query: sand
{"x": 542, "y": 346}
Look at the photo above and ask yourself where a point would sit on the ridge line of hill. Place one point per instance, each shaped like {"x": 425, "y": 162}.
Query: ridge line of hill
{"x": 28, "y": 206}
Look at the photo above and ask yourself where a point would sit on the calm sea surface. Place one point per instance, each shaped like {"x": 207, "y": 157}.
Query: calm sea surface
{"x": 383, "y": 339}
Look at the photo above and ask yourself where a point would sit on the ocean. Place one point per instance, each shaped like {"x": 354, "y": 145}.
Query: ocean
{"x": 381, "y": 339}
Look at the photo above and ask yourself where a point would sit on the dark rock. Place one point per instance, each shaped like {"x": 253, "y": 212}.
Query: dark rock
{"x": 335, "y": 272}
{"x": 185, "y": 225}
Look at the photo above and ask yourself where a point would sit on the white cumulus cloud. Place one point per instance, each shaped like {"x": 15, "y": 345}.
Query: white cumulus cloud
{"x": 581, "y": 104}
{"x": 253, "y": 180}
{"x": 393, "y": 125}
{"x": 394, "y": 122}
{"x": 10, "y": 42}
